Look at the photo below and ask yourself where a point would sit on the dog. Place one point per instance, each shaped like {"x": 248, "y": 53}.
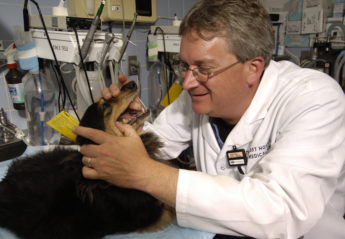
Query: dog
{"x": 45, "y": 195}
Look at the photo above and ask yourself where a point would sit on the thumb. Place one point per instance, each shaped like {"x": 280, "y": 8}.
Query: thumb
{"x": 123, "y": 79}
{"x": 126, "y": 129}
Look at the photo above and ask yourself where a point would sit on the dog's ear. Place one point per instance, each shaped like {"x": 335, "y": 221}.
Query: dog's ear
{"x": 93, "y": 118}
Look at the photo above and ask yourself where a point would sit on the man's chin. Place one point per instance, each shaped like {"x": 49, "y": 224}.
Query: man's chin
{"x": 200, "y": 108}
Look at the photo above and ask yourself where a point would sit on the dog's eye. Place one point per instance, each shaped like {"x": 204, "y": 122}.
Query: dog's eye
{"x": 106, "y": 108}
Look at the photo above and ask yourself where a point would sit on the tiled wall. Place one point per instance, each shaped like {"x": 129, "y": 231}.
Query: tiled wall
{"x": 11, "y": 15}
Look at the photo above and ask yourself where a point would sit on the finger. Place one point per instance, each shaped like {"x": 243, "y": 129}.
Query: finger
{"x": 88, "y": 161}
{"x": 95, "y": 135}
{"x": 114, "y": 90}
{"x": 126, "y": 129}
{"x": 90, "y": 173}
{"x": 106, "y": 93}
{"x": 123, "y": 79}
{"x": 90, "y": 151}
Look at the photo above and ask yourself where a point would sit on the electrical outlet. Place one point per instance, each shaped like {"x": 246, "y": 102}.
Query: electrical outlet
{"x": 133, "y": 65}
{"x": 1, "y": 45}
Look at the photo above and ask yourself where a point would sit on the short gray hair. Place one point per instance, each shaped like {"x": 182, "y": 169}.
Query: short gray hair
{"x": 245, "y": 24}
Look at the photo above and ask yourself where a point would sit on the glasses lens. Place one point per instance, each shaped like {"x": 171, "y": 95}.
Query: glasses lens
{"x": 184, "y": 67}
{"x": 200, "y": 76}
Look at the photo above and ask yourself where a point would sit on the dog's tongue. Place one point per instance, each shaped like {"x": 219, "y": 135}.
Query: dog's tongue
{"x": 129, "y": 116}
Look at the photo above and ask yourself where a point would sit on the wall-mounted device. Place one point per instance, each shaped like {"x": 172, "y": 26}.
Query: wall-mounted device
{"x": 171, "y": 41}
{"x": 115, "y": 10}
{"x": 62, "y": 22}
{"x": 65, "y": 45}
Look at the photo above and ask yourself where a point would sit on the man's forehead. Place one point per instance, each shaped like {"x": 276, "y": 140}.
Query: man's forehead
{"x": 196, "y": 49}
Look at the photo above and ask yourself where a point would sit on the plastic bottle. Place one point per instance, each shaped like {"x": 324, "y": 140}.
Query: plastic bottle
{"x": 14, "y": 79}
{"x": 40, "y": 107}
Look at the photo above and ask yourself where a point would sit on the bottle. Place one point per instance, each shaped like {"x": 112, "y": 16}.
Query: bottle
{"x": 40, "y": 107}
{"x": 14, "y": 79}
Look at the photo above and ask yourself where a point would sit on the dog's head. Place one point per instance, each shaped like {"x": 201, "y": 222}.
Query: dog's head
{"x": 104, "y": 113}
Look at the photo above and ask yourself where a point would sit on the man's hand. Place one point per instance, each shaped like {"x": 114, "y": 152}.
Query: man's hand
{"x": 124, "y": 162}
{"x": 118, "y": 160}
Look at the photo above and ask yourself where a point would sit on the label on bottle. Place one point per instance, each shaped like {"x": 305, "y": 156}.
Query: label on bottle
{"x": 16, "y": 92}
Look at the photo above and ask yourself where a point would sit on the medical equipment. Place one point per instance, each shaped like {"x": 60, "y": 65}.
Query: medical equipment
{"x": 89, "y": 37}
{"x": 39, "y": 96}
{"x": 339, "y": 69}
{"x": 325, "y": 57}
{"x": 60, "y": 20}
{"x": 63, "y": 23}
{"x": 165, "y": 83}
{"x": 167, "y": 38}
{"x": 86, "y": 46}
{"x": 26, "y": 16}
{"x": 40, "y": 107}
{"x": 115, "y": 10}
{"x": 100, "y": 50}
{"x": 123, "y": 48}
{"x": 14, "y": 79}
{"x": 10, "y": 145}
{"x": 66, "y": 51}
{"x": 156, "y": 88}
{"x": 60, "y": 10}
{"x": 100, "y": 66}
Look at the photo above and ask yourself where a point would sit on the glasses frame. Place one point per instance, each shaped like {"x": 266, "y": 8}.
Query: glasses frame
{"x": 196, "y": 73}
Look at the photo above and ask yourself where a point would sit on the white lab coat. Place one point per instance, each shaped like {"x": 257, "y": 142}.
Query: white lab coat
{"x": 294, "y": 183}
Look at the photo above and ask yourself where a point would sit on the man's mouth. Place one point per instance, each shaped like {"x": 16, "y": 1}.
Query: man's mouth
{"x": 198, "y": 95}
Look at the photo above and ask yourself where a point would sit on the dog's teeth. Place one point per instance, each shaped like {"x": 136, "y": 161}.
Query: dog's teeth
{"x": 125, "y": 121}
{"x": 143, "y": 110}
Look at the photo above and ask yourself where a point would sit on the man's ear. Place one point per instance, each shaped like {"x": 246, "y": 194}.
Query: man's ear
{"x": 255, "y": 68}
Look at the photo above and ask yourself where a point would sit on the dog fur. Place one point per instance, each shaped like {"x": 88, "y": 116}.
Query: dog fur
{"x": 45, "y": 195}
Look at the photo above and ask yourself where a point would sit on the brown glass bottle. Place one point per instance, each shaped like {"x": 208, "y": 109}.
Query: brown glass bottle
{"x": 15, "y": 86}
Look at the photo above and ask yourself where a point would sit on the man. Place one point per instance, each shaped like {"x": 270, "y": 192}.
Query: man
{"x": 268, "y": 137}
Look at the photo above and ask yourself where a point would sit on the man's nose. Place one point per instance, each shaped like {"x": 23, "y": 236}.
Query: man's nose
{"x": 189, "y": 80}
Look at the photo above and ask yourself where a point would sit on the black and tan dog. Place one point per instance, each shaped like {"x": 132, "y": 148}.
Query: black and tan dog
{"x": 45, "y": 196}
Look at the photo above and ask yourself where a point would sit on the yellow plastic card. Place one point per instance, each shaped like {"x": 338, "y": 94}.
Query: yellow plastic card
{"x": 174, "y": 91}
{"x": 63, "y": 122}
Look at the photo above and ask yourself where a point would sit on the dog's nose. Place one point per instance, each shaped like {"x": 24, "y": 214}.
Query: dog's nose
{"x": 129, "y": 86}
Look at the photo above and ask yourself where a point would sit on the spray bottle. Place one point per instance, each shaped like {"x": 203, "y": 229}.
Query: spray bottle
{"x": 14, "y": 79}
{"x": 40, "y": 95}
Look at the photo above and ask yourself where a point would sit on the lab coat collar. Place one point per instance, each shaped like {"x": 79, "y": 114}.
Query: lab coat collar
{"x": 243, "y": 133}
{"x": 263, "y": 97}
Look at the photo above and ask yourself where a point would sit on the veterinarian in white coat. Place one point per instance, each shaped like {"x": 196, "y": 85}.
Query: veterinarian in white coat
{"x": 294, "y": 182}
{"x": 277, "y": 172}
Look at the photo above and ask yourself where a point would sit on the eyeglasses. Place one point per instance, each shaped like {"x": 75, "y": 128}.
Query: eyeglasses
{"x": 200, "y": 74}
